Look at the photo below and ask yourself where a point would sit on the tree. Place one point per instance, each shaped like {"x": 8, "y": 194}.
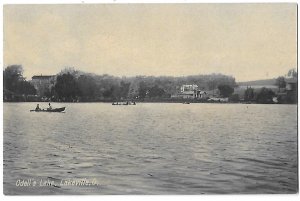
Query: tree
{"x": 234, "y": 98}
{"x": 265, "y": 96}
{"x": 116, "y": 92}
{"x": 12, "y": 75}
{"x": 14, "y": 81}
{"x": 155, "y": 92}
{"x": 292, "y": 73}
{"x": 249, "y": 94}
{"x": 108, "y": 92}
{"x": 211, "y": 84}
{"x": 66, "y": 87}
{"x": 225, "y": 90}
{"x": 87, "y": 86}
{"x": 113, "y": 92}
{"x": 49, "y": 92}
{"x": 143, "y": 89}
{"x": 124, "y": 89}
{"x": 24, "y": 87}
{"x": 280, "y": 82}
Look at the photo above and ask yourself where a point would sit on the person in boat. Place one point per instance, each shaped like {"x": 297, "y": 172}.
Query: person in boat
{"x": 49, "y": 108}
{"x": 38, "y": 107}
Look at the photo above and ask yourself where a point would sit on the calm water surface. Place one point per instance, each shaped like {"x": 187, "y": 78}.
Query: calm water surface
{"x": 152, "y": 148}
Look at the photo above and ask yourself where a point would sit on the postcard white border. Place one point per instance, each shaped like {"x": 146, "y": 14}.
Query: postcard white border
{"x": 129, "y": 197}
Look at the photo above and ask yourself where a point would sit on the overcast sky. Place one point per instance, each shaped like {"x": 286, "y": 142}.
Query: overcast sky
{"x": 247, "y": 41}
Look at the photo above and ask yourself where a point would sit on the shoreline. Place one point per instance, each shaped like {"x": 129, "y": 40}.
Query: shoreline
{"x": 137, "y": 102}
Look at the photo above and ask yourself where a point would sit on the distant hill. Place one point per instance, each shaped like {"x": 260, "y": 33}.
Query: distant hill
{"x": 267, "y": 82}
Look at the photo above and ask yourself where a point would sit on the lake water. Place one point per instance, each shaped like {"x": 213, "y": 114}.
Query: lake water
{"x": 151, "y": 148}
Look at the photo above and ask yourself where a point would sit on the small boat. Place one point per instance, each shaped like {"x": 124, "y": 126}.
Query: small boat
{"x": 185, "y": 103}
{"x": 124, "y": 103}
{"x": 61, "y": 109}
{"x": 117, "y": 103}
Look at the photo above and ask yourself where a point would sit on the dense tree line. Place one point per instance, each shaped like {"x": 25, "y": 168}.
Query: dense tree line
{"x": 76, "y": 85}
{"x": 262, "y": 95}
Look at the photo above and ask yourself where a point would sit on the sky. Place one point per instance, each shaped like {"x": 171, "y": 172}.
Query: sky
{"x": 247, "y": 41}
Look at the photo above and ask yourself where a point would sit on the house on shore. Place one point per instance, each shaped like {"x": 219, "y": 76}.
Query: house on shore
{"x": 291, "y": 84}
{"x": 43, "y": 83}
{"x": 190, "y": 91}
{"x": 290, "y": 95}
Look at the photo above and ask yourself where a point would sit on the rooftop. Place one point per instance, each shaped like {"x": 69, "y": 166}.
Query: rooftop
{"x": 42, "y": 76}
{"x": 291, "y": 80}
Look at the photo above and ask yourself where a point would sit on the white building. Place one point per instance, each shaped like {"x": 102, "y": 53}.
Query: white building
{"x": 188, "y": 88}
{"x": 190, "y": 91}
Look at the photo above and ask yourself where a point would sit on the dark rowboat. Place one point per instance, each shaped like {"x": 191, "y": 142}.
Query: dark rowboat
{"x": 61, "y": 109}
{"x": 124, "y": 103}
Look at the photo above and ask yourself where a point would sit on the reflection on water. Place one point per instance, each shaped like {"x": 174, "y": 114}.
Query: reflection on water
{"x": 152, "y": 148}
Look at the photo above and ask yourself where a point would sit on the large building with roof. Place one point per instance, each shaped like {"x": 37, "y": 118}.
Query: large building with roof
{"x": 43, "y": 83}
{"x": 190, "y": 91}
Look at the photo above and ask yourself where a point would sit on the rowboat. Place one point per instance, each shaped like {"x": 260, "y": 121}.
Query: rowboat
{"x": 124, "y": 103}
{"x": 61, "y": 109}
